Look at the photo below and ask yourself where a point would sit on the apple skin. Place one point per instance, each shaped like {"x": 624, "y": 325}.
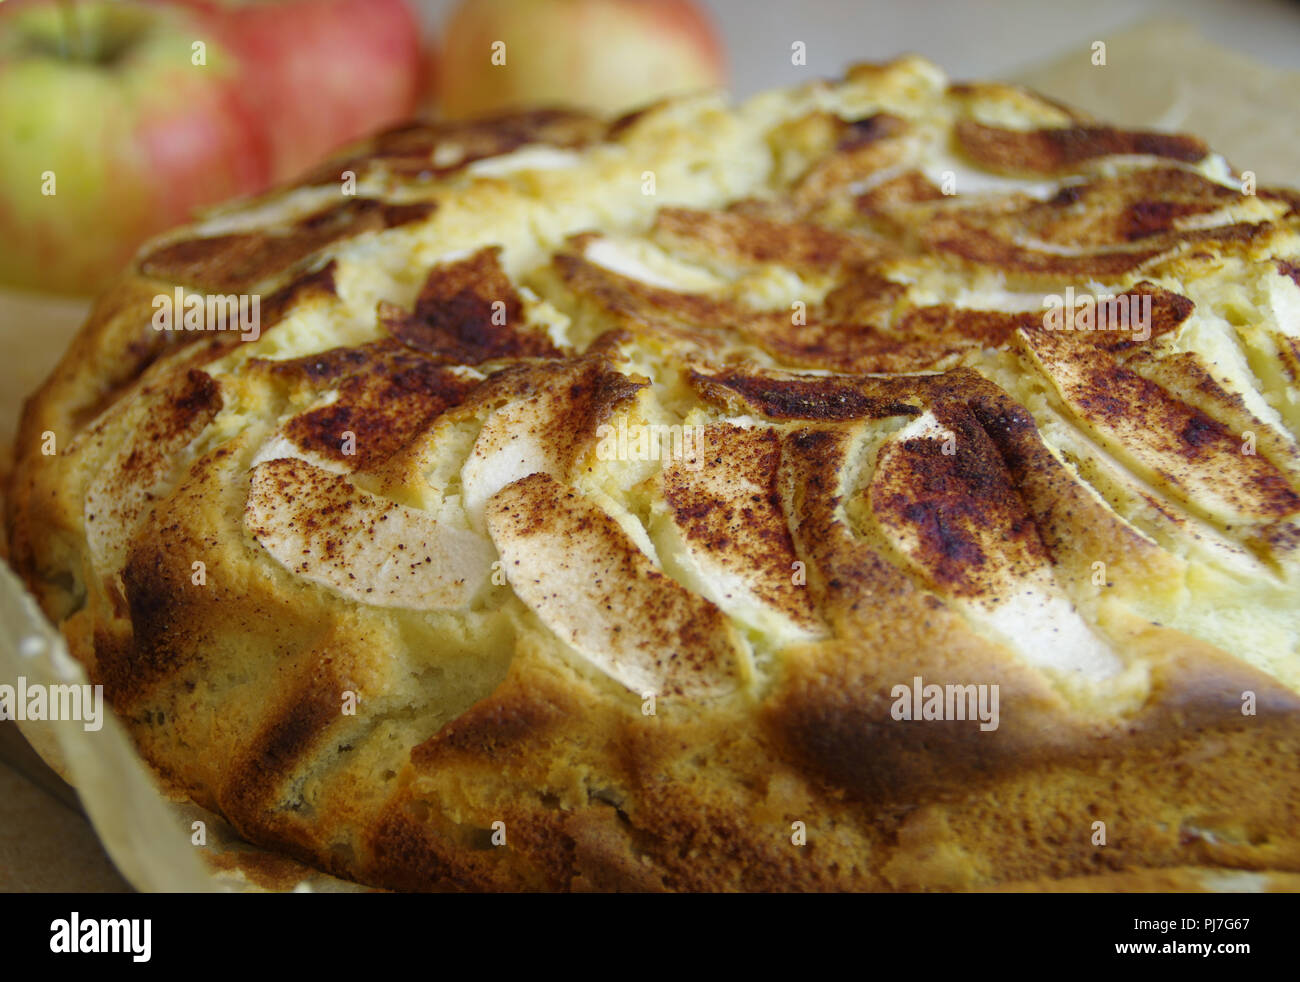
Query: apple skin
{"x": 321, "y": 73}
{"x": 605, "y": 55}
{"x": 135, "y": 144}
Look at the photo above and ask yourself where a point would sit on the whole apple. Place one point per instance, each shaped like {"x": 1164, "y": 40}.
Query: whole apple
{"x": 321, "y": 73}
{"x": 607, "y": 55}
{"x": 118, "y": 119}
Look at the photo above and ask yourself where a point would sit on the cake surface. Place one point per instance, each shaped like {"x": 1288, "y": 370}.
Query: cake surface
{"x": 885, "y": 484}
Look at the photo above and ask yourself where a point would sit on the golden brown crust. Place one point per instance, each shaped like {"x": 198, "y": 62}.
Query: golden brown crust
{"x": 238, "y": 262}
{"x": 426, "y": 152}
{"x": 548, "y": 539}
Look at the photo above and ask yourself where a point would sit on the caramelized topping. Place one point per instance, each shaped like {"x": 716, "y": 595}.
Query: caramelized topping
{"x": 1052, "y": 151}
{"x": 468, "y": 312}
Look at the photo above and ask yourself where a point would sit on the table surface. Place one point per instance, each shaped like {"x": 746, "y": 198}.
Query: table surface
{"x": 45, "y": 842}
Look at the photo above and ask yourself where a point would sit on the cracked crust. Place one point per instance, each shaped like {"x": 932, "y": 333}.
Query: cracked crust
{"x": 418, "y": 589}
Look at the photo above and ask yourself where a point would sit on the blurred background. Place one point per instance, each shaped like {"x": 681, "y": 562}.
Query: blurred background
{"x": 970, "y": 38}
{"x": 118, "y": 118}
{"x": 121, "y": 117}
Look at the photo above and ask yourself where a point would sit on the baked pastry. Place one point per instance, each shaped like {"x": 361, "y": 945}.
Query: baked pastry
{"x": 885, "y": 484}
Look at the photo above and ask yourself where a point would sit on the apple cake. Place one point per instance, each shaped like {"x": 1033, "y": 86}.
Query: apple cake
{"x": 885, "y": 484}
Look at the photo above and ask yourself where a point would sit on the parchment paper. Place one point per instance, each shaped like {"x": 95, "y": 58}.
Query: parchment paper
{"x": 1164, "y": 75}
